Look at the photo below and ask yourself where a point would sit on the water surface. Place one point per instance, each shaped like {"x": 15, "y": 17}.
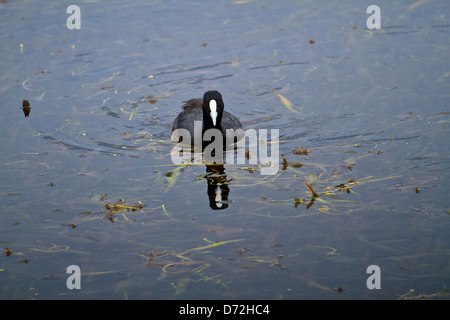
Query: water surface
{"x": 371, "y": 107}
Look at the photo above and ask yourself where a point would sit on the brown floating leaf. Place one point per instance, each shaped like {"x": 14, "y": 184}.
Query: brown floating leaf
{"x": 292, "y": 164}
{"x": 26, "y": 108}
{"x": 313, "y": 199}
{"x": 312, "y": 190}
{"x": 342, "y": 187}
{"x": 296, "y": 165}
{"x": 241, "y": 251}
{"x": 298, "y": 201}
{"x": 300, "y": 151}
{"x": 285, "y": 162}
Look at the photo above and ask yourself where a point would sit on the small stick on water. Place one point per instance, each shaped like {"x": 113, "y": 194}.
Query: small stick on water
{"x": 312, "y": 190}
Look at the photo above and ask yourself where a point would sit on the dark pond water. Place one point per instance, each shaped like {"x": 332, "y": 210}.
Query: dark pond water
{"x": 371, "y": 107}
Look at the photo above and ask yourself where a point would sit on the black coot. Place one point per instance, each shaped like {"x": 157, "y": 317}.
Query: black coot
{"x": 211, "y": 112}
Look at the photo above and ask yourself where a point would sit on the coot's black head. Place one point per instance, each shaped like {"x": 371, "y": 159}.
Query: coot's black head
{"x": 212, "y": 110}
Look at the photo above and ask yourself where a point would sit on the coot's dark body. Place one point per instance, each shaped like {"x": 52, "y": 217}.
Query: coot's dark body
{"x": 210, "y": 111}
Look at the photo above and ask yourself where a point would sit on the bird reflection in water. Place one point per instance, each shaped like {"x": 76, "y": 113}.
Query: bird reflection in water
{"x": 218, "y": 189}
